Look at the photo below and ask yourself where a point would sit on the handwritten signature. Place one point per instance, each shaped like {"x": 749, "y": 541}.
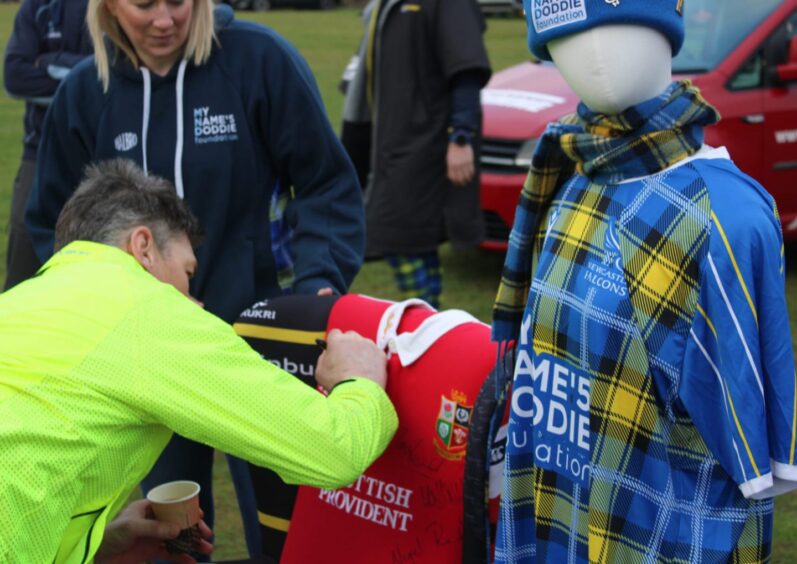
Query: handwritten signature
{"x": 423, "y": 462}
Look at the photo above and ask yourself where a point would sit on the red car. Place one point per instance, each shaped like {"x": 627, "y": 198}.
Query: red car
{"x": 743, "y": 56}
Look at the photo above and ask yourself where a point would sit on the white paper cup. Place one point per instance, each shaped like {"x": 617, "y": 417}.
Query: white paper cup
{"x": 178, "y": 503}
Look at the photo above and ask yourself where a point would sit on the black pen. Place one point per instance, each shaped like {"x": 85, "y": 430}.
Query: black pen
{"x": 322, "y": 344}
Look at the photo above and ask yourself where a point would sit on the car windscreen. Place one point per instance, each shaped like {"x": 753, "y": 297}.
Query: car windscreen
{"x": 714, "y": 28}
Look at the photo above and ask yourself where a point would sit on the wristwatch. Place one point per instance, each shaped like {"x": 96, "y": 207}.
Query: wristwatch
{"x": 459, "y": 136}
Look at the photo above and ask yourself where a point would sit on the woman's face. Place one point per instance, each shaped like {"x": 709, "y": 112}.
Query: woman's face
{"x": 158, "y": 29}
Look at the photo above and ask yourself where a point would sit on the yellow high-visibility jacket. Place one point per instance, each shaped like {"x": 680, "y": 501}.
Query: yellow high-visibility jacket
{"x": 100, "y": 363}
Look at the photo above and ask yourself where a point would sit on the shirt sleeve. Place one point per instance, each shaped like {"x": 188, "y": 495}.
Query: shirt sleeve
{"x": 738, "y": 380}
{"x": 22, "y": 75}
{"x": 325, "y": 210}
{"x": 28, "y": 55}
{"x": 198, "y": 378}
{"x": 459, "y": 25}
{"x": 465, "y": 101}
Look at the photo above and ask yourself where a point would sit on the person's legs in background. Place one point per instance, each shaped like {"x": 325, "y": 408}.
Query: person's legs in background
{"x": 21, "y": 260}
{"x": 418, "y": 276}
{"x": 245, "y": 492}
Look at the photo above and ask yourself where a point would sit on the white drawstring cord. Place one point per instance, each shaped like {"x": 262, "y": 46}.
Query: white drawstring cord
{"x": 145, "y": 124}
{"x": 178, "y": 151}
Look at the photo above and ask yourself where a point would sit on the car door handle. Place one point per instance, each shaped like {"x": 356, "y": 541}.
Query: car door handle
{"x": 754, "y": 118}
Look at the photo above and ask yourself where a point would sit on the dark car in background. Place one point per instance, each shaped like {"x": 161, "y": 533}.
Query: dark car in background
{"x": 743, "y": 56}
{"x": 501, "y": 6}
{"x": 263, "y": 5}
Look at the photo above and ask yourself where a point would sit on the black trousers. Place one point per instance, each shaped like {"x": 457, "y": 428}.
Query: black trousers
{"x": 21, "y": 261}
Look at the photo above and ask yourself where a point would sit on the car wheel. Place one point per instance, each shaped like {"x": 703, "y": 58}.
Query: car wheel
{"x": 261, "y": 5}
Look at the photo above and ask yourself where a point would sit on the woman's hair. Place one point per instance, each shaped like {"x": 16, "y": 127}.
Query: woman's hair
{"x": 116, "y": 196}
{"x": 102, "y": 23}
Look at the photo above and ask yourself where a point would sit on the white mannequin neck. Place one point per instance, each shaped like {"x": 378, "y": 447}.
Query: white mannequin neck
{"x": 614, "y": 67}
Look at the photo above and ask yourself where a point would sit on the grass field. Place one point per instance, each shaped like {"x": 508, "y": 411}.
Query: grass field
{"x": 327, "y": 40}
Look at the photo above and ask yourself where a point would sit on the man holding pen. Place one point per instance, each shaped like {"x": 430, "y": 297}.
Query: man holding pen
{"x": 103, "y": 356}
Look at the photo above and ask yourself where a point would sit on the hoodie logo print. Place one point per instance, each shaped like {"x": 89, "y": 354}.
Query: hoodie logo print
{"x": 125, "y": 141}
{"x": 213, "y": 128}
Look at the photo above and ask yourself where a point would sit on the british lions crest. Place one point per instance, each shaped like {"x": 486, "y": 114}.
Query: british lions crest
{"x": 452, "y": 427}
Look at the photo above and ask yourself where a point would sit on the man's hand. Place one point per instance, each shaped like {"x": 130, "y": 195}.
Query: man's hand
{"x": 135, "y": 536}
{"x": 460, "y": 163}
{"x": 349, "y": 355}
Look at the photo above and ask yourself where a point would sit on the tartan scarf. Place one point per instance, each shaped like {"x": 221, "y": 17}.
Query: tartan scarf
{"x": 642, "y": 140}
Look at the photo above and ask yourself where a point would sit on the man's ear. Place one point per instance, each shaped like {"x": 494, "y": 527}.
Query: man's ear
{"x": 141, "y": 244}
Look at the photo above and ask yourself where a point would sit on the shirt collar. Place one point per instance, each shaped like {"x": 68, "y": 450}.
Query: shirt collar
{"x": 88, "y": 251}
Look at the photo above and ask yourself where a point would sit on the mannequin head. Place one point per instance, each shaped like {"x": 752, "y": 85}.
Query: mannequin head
{"x": 614, "y": 67}
{"x": 613, "y": 53}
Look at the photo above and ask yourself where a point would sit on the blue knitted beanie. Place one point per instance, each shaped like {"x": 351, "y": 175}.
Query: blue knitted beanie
{"x": 551, "y": 19}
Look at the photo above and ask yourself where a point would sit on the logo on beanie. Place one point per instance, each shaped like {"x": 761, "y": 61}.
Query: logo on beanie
{"x": 614, "y": 3}
{"x": 549, "y": 14}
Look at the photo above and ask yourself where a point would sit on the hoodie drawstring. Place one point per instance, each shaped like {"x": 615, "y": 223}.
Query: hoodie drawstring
{"x": 178, "y": 150}
{"x": 145, "y": 124}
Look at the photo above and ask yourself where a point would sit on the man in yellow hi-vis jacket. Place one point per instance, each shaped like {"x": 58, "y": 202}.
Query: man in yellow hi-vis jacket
{"x": 102, "y": 358}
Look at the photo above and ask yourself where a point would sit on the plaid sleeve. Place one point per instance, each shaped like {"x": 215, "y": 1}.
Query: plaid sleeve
{"x": 738, "y": 382}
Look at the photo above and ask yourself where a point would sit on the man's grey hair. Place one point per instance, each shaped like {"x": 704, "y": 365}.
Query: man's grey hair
{"x": 115, "y": 197}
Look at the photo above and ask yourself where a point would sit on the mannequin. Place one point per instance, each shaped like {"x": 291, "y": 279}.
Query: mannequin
{"x": 653, "y": 393}
{"x": 607, "y": 75}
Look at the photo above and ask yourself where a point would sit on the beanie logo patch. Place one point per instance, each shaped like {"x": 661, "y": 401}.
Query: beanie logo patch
{"x": 615, "y": 3}
{"x": 550, "y": 14}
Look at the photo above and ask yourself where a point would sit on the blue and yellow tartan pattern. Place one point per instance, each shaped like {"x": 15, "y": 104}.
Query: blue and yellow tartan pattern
{"x": 281, "y": 234}
{"x": 418, "y": 276}
{"x": 656, "y": 492}
{"x": 640, "y": 141}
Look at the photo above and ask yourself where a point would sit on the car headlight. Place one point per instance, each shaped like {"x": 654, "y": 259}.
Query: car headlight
{"x": 524, "y": 154}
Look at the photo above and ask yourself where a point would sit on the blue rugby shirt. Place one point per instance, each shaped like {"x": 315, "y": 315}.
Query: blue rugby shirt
{"x": 655, "y": 435}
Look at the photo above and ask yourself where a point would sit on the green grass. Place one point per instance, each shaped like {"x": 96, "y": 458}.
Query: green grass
{"x": 327, "y": 40}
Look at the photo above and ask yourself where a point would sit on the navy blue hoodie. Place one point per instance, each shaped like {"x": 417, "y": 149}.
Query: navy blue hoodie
{"x": 47, "y": 33}
{"x": 245, "y": 138}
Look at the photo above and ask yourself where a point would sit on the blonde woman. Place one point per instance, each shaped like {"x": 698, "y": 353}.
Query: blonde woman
{"x": 230, "y": 113}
